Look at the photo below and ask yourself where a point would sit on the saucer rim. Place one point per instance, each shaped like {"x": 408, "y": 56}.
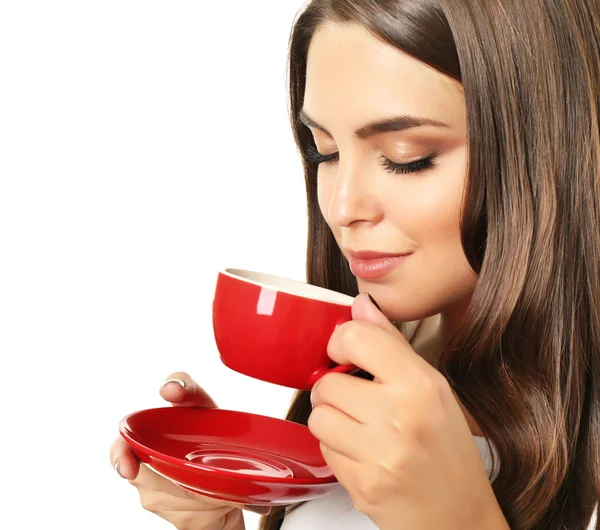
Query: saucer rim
{"x": 124, "y": 431}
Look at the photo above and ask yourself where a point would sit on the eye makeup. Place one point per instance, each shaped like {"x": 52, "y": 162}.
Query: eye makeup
{"x": 414, "y": 166}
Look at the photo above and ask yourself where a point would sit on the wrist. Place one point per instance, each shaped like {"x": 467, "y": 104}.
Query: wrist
{"x": 232, "y": 520}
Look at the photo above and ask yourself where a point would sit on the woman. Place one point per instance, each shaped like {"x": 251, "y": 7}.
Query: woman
{"x": 452, "y": 159}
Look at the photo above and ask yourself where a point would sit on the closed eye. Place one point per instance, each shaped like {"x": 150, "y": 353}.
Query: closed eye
{"x": 314, "y": 157}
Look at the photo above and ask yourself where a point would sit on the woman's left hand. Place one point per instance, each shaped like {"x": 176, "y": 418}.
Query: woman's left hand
{"x": 400, "y": 445}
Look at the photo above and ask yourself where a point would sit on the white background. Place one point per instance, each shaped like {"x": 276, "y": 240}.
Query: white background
{"x": 143, "y": 146}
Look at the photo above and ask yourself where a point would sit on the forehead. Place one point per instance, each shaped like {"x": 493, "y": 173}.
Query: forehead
{"x": 353, "y": 76}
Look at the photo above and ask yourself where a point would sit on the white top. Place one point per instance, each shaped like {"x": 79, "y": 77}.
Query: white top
{"x": 335, "y": 510}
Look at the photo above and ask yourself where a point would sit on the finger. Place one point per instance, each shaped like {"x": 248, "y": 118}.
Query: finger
{"x": 339, "y": 432}
{"x": 347, "y": 471}
{"x": 365, "y": 308}
{"x": 123, "y": 459}
{"x": 385, "y": 356}
{"x": 355, "y": 397}
{"x": 149, "y": 479}
{"x": 181, "y": 390}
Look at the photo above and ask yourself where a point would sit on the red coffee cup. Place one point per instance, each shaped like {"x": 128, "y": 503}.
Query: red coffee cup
{"x": 277, "y": 330}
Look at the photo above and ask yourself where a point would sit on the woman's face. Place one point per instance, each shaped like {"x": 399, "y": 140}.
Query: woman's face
{"x": 396, "y": 189}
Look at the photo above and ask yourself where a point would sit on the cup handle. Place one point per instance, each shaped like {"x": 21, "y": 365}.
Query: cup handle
{"x": 320, "y": 372}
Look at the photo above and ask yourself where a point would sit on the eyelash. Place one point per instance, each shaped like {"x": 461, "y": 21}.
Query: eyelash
{"x": 416, "y": 166}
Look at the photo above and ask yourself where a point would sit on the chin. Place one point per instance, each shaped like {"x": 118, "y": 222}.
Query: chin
{"x": 396, "y": 306}
{"x": 409, "y": 314}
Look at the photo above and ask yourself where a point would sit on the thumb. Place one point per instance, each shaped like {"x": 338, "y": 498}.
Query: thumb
{"x": 182, "y": 391}
{"x": 366, "y": 308}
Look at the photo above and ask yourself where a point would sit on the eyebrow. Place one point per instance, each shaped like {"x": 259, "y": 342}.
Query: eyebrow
{"x": 397, "y": 123}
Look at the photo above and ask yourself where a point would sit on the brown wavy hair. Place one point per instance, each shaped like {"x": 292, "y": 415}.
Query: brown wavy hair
{"x": 526, "y": 361}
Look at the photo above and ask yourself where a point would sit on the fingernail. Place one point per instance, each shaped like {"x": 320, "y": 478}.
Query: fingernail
{"x": 180, "y": 382}
{"x": 374, "y": 302}
{"x": 117, "y": 469}
{"x": 261, "y": 510}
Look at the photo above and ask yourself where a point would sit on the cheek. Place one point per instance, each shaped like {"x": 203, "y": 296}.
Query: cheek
{"x": 435, "y": 216}
{"x": 432, "y": 208}
{"x": 431, "y": 212}
{"x": 435, "y": 219}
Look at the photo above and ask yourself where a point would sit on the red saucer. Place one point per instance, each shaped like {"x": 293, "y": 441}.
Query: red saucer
{"x": 230, "y": 455}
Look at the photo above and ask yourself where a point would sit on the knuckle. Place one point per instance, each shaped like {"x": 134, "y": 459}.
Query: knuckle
{"x": 350, "y": 334}
{"x": 118, "y": 450}
{"x": 113, "y": 454}
{"x": 434, "y": 390}
{"x": 326, "y": 385}
{"x": 314, "y": 419}
{"x": 368, "y": 495}
{"x": 396, "y": 396}
{"x": 319, "y": 420}
{"x": 430, "y": 402}
{"x": 397, "y": 463}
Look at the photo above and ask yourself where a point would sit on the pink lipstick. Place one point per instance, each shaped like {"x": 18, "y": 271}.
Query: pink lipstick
{"x": 372, "y": 265}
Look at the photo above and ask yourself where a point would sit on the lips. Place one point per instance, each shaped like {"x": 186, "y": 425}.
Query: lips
{"x": 370, "y": 264}
{"x": 373, "y": 255}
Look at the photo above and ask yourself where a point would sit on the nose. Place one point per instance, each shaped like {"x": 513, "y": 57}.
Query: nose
{"x": 354, "y": 196}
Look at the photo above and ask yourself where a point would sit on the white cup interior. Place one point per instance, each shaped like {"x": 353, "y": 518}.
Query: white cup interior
{"x": 294, "y": 287}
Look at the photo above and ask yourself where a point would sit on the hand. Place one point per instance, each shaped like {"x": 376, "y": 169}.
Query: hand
{"x": 400, "y": 444}
{"x": 182, "y": 508}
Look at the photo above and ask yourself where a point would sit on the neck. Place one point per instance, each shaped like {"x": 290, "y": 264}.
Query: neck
{"x": 435, "y": 332}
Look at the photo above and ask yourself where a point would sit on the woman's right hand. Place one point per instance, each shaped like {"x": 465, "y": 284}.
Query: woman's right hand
{"x": 182, "y": 508}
